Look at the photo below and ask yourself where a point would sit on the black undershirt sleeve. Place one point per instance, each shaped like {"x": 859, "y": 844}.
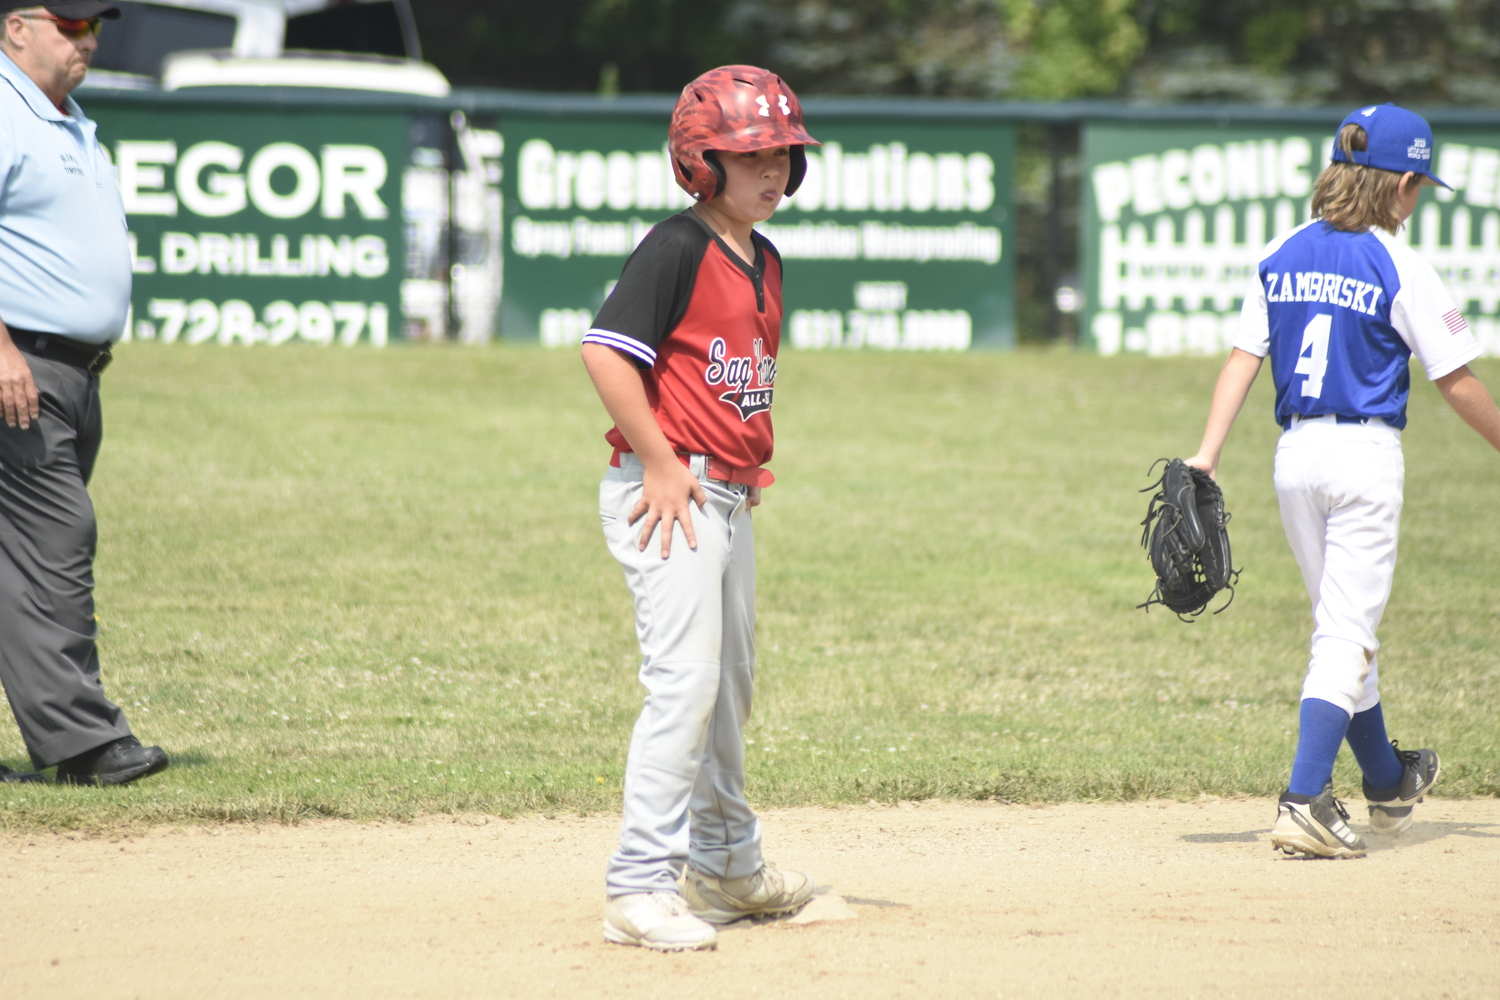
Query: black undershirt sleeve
{"x": 654, "y": 290}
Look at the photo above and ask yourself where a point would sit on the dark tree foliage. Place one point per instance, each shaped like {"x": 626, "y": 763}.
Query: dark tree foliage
{"x": 1259, "y": 51}
{"x": 1319, "y": 51}
{"x": 588, "y": 45}
{"x": 1014, "y": 48}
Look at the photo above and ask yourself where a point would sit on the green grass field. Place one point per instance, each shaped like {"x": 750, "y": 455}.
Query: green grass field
{"x": 371, "y": 584}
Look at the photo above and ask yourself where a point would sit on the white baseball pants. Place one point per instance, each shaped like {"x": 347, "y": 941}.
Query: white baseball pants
{"x": 695, "y": 618}
{"x": 1340, "y": 488}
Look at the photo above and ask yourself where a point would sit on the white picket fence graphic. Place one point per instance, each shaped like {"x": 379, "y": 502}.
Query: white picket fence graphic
{"x": 1192, "y": 285}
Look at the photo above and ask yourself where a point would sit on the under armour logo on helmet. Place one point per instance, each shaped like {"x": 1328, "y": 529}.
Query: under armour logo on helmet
{"x": 765, "y": 106}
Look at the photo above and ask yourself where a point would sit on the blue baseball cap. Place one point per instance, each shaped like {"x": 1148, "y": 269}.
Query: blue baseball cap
{"x": 1396, "y": 139}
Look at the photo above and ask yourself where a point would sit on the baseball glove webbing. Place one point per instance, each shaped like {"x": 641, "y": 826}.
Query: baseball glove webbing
{"x": 1186, "y": 535}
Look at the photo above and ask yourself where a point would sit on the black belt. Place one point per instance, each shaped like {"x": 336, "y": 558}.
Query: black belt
{"x": 1337, "y": 417}
{"x": 92, "y": 358}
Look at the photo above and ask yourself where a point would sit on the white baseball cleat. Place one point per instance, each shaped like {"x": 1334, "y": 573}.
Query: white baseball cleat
{"x": 660, "y": 921}
{"x": 766, "y": 893}
{"x": 1391, "y": 808}
{"x": 1315, "y": 825}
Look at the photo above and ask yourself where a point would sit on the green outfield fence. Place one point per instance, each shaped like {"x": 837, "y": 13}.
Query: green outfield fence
{"x": 270, "y": 215}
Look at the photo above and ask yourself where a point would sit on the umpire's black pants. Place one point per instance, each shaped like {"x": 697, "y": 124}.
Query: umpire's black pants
{"x": 49, "y": 662}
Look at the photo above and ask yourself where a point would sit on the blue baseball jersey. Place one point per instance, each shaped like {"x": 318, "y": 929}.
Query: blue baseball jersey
{"x": 1340, "y": 315}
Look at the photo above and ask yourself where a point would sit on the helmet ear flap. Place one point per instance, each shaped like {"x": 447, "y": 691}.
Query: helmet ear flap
{"x": 799, "y": 170}
{"x": 697, "y": 186}
{"x": 711, "y": 157}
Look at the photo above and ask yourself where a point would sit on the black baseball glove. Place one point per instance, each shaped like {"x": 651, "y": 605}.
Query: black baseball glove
{"x": 1185, "y": 533}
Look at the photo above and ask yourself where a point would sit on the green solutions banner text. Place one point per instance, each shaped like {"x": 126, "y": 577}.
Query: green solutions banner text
{"x": 1176, "y": 216}
{"x": 261, "y": 226}
{"x": 898, "y": 239}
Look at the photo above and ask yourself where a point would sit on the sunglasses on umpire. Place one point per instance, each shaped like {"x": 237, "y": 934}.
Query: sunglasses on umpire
{"x": 69, "y": 27}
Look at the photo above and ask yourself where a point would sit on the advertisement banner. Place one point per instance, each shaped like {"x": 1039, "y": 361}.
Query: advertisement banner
{"x": 1176, "y": 216}
{"x": 257, "y": 226}
{"x": 898, "y": 239}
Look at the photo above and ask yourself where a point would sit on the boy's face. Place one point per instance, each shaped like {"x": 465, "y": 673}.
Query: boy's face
{"x": 753, "y": 183}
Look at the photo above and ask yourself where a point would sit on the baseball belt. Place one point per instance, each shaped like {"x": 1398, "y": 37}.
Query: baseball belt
{"x": 92, "y": 358}
{"x": 722, "y": 471}
{"x": 1297, "y": 418}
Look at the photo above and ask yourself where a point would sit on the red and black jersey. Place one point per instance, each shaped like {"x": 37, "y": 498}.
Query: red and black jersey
{"x": 704, "y": 327}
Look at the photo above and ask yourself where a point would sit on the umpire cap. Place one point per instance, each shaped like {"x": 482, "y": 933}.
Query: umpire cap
{"x": 80, "y": 10}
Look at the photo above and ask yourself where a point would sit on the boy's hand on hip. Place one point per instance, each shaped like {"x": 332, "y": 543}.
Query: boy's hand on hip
{"x": 667, "y": 494}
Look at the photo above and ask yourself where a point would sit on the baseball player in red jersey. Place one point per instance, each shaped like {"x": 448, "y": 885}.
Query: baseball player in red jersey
{"x": 683, "y": 356}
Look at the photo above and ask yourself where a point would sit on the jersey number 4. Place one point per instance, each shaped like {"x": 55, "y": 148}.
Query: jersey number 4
{"x": 1312, "y": 360}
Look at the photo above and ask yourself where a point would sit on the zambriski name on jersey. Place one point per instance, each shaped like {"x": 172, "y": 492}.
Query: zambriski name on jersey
{"x": 737, "y": 373}
{"x": 1321, "y": 286}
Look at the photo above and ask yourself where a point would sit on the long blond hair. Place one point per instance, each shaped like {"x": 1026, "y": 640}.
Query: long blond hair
{"x": 1354, "y": 197}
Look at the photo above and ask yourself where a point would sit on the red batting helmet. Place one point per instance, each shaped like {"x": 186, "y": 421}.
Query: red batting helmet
{"x": 736, "y": 109}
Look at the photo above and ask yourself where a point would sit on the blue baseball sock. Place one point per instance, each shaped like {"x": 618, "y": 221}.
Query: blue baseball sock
{"x": 1319, "y": 737}
{"x": 1372, "y": 749}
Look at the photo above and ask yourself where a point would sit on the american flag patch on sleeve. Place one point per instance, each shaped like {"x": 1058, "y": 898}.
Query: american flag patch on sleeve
{"x": 1454, "y": 321}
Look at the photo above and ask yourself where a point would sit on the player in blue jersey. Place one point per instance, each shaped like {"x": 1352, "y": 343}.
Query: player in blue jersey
{"x": 1340, "y": 307}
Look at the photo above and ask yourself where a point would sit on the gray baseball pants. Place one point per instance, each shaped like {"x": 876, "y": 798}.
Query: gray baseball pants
{"x": 695, "y": 618}
{"x": 49, "y": 663}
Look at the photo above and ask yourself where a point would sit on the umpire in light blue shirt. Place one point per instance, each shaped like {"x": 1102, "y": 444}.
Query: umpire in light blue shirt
{"x": 64, "y": 292}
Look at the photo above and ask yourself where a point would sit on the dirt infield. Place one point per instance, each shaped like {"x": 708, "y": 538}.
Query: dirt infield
{"x": 1157, "y": 900}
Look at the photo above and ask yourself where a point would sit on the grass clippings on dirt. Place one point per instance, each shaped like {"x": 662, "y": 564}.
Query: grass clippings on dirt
{"x": 372, "y": 584}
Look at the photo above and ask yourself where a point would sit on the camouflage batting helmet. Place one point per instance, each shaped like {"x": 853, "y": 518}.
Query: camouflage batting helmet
{"x": 734, "y": 109}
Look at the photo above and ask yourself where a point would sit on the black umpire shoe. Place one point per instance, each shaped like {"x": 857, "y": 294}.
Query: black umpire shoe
{"x": 16, "y": 777}
{"x": 115, "y": 763}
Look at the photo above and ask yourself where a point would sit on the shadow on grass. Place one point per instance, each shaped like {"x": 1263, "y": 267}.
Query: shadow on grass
{"x": 92, "y": 814}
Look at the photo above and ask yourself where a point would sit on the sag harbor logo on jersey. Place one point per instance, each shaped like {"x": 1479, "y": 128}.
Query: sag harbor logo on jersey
{"x": 737, "y": 373}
